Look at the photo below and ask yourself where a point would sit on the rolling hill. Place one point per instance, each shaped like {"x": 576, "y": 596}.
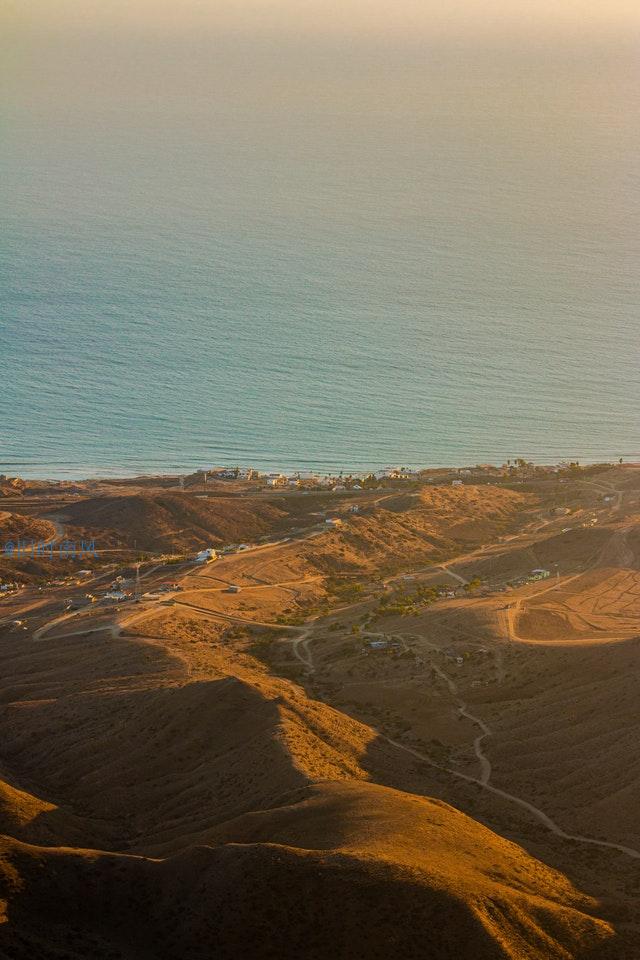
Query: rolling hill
{"x": 337, "y": 869}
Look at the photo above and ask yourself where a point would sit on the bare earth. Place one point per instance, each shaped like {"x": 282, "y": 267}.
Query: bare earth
{"x": 242, "y": 774}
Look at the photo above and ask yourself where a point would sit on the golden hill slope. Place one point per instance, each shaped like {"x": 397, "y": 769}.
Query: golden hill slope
{"x": 419, "y": 528}
{"x": 347, "y": 870}
{"x": 14, "y": 527}
{"x": 173, "y": 520}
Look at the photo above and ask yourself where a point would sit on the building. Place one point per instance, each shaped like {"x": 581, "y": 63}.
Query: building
{"x": 378, "y": 644}
{"x": 333, "y": 522}
{"x": 225, "y": 474}
{"x": 383, "y": 644}
{"x": 456, "y": 483}
{"x": 277, "y": 480}
{"x": 206, "y": 556}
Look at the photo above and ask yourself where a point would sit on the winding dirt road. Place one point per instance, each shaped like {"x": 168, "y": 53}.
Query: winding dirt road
{"x": 483, "y": 780}
{"x": 301, "y": 647}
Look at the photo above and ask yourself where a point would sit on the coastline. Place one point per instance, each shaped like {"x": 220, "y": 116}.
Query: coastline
{"x": 310, "y": 468}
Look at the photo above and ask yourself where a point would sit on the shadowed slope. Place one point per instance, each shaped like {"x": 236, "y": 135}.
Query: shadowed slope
{"x": 343, "y": 869}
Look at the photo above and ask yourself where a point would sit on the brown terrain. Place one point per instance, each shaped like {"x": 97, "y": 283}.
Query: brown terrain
{"x": 216, "y": 773}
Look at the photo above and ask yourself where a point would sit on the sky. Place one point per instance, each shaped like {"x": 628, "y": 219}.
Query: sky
{"x": 132, "y": 47}
{"x": 318, "y": 18}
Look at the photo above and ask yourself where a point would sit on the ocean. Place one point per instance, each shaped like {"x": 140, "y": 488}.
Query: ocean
{"x": 329, "y": 262}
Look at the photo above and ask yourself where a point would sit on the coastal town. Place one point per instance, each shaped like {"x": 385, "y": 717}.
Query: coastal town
{"x": 518, "y": 469}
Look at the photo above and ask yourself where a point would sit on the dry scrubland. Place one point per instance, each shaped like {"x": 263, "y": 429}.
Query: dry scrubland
{"x": 238, "y": 775}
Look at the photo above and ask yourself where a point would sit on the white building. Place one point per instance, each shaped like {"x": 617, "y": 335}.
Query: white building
{"x": 206, "y": 556}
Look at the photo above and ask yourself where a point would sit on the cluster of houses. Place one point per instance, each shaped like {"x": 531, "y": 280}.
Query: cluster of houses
{"x": 537, "y": 574}
{"x": 484, "y": 472}
{"x": 230, "y": 473}
{"x": 340, "y": 483}
{"x": 517, "y": 470}
{"x": 308, "y": 479}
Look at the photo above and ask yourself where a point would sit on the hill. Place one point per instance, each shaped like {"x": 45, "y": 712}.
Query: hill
{"x": 405, "y": 529}
{"x": 338, "y": 869}
{"x": 14, "y": 527}
{"x": 173, "y": 521}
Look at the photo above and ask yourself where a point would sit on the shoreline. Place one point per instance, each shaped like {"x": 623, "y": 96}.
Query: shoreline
{"x": 106, "y": 475}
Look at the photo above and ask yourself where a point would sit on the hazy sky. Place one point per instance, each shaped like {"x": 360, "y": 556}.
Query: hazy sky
{"x": 324, "y": 17}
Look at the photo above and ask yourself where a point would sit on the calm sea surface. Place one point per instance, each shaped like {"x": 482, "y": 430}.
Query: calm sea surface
{"x": 400, "y": 263}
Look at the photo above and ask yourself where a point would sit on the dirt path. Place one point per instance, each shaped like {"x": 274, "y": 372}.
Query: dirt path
{"x": 456, "y": 576}
{"x": 485, "y": 731}
{"x": 301, "y": 647}
{"x": 58, "y": 527}
{"x": 620, "y": 553}
{"x": 302, "y": 651}
{"x": 483, "y": 780}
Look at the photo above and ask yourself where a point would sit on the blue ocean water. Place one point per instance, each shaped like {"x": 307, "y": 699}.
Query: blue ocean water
{"x": 412, "y": 264}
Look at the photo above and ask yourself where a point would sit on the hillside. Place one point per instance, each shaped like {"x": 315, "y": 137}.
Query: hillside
{"x": 168, "y": 792}
{"x": 346, "y": 870}
{"x": 405, "y": 529}
{"x": 151, "y": 745}
{"x": 173, "y": 521}
{"x": 278, "y": 844}
{"x": 14, "y": 527}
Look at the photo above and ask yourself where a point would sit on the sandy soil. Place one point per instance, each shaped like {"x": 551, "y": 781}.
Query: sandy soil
{"x": 264, "y": 725}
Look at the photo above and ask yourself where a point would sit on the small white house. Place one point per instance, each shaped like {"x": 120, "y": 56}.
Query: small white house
{"x": 456, "y": 483}
{"x": 206, "y": 556}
